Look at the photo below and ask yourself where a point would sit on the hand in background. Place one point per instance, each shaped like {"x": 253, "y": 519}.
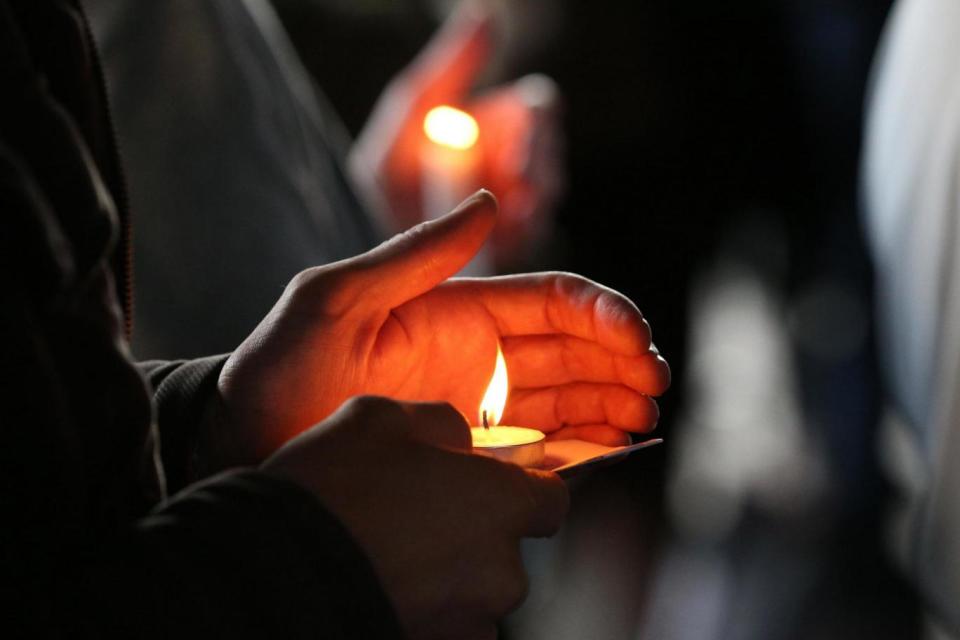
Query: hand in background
{"x": 390, "y": 323}
{"x": 441, "y": 527}
{"x": 520, "y": 147}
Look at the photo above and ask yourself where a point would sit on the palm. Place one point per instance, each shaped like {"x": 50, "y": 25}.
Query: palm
{"x": 438, "y": 347}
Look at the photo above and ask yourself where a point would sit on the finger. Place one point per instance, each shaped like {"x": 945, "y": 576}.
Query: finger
{"x": 501, "y": 583}
{"x": 548, "y": 360}
{"x": 507, "y": 126}
{"x": 552, "y": 408}
{"x": 546, "y": 157}
{"x": 538, "y": 92}
{"x": 561, "y": 303}
{"x": 541, "y": 98}
{"x": 599, "y": 433}
{"x": 543, "y": 501}
{"x": 383, "y": 414}
{"x": 413, "y": 262}
{"x": 520, "y": 124}
{"x": 451, "y": 62}
{"x": 439, "y": 425}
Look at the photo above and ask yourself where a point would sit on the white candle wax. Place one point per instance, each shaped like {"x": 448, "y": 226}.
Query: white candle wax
{"x": 519, "y": 445}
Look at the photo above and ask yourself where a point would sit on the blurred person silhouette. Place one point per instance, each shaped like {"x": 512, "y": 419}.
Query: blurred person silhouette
{"x": 242, "y": 174}
{"x": 256, "y": 494}
{"x": 912, "y": 210}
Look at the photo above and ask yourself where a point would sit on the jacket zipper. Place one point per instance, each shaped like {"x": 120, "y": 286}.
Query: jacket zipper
{"x": 120, "y": 196}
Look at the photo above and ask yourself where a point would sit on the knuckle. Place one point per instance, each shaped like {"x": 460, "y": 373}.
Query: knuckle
{"x": 328, "y": 290}
{"x": 447, "y": 413}
{"x": 438, "y": 413}
{"x": 440, "y": 424}
{"x": 311, "y": 283}
{"x": 384, "y": 410}
{"x": 302, "y": 280}
{"x": 362, "y": 404}
{"x": 625, "y": 407}
{"x": 410, "y": 237}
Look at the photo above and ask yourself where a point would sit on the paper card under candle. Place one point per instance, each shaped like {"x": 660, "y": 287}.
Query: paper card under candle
{"x": 569, "y": 458}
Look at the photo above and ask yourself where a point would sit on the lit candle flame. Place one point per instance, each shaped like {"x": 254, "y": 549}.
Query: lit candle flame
{"x": 495, "y": 399}
{"x": 450, "y": 127}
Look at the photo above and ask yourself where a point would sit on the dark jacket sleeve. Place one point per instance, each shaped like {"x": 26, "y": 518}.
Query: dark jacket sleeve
{"x": 242, "y": 555}
{"x": 183, "y": 392}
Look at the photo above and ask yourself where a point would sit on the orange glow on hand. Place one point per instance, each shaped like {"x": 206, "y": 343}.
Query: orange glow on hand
{"x": 495, "y": 399}
{"x": 450, "y": 127}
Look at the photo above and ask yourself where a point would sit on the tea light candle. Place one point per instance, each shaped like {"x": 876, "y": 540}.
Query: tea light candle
{"x": 519, "y": 445}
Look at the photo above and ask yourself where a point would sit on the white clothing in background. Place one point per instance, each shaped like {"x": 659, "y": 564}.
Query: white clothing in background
{"x": 912, "y": 206}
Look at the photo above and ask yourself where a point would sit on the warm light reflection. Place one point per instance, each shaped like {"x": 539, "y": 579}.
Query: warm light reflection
{"x": 495, "y": 399}
{"x": 451, "y": 127}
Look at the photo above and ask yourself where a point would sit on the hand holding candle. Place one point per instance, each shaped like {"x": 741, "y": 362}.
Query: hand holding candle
{"x": 508, "y": 139}
{"x": 390, "y": 323}
{"x": 440, "y": 527}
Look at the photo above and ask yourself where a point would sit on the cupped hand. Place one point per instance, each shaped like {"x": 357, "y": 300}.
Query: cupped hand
{"x": 441, "y": 528}
{"x": 390, "y": 323}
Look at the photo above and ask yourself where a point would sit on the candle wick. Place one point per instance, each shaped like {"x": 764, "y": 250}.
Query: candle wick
{"x": 486, "y": 424}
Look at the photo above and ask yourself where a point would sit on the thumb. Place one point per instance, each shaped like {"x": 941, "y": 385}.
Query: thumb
{"x": 416, "y": 261}
{"x": 447, "y": 68}
{"x": 546, "y": 503}
{"x": 439, "y": 425}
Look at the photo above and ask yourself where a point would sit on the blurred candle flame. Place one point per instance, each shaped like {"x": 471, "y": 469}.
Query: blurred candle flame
{"x": 495, "y": 399}
{"x": 451, "y": 127}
